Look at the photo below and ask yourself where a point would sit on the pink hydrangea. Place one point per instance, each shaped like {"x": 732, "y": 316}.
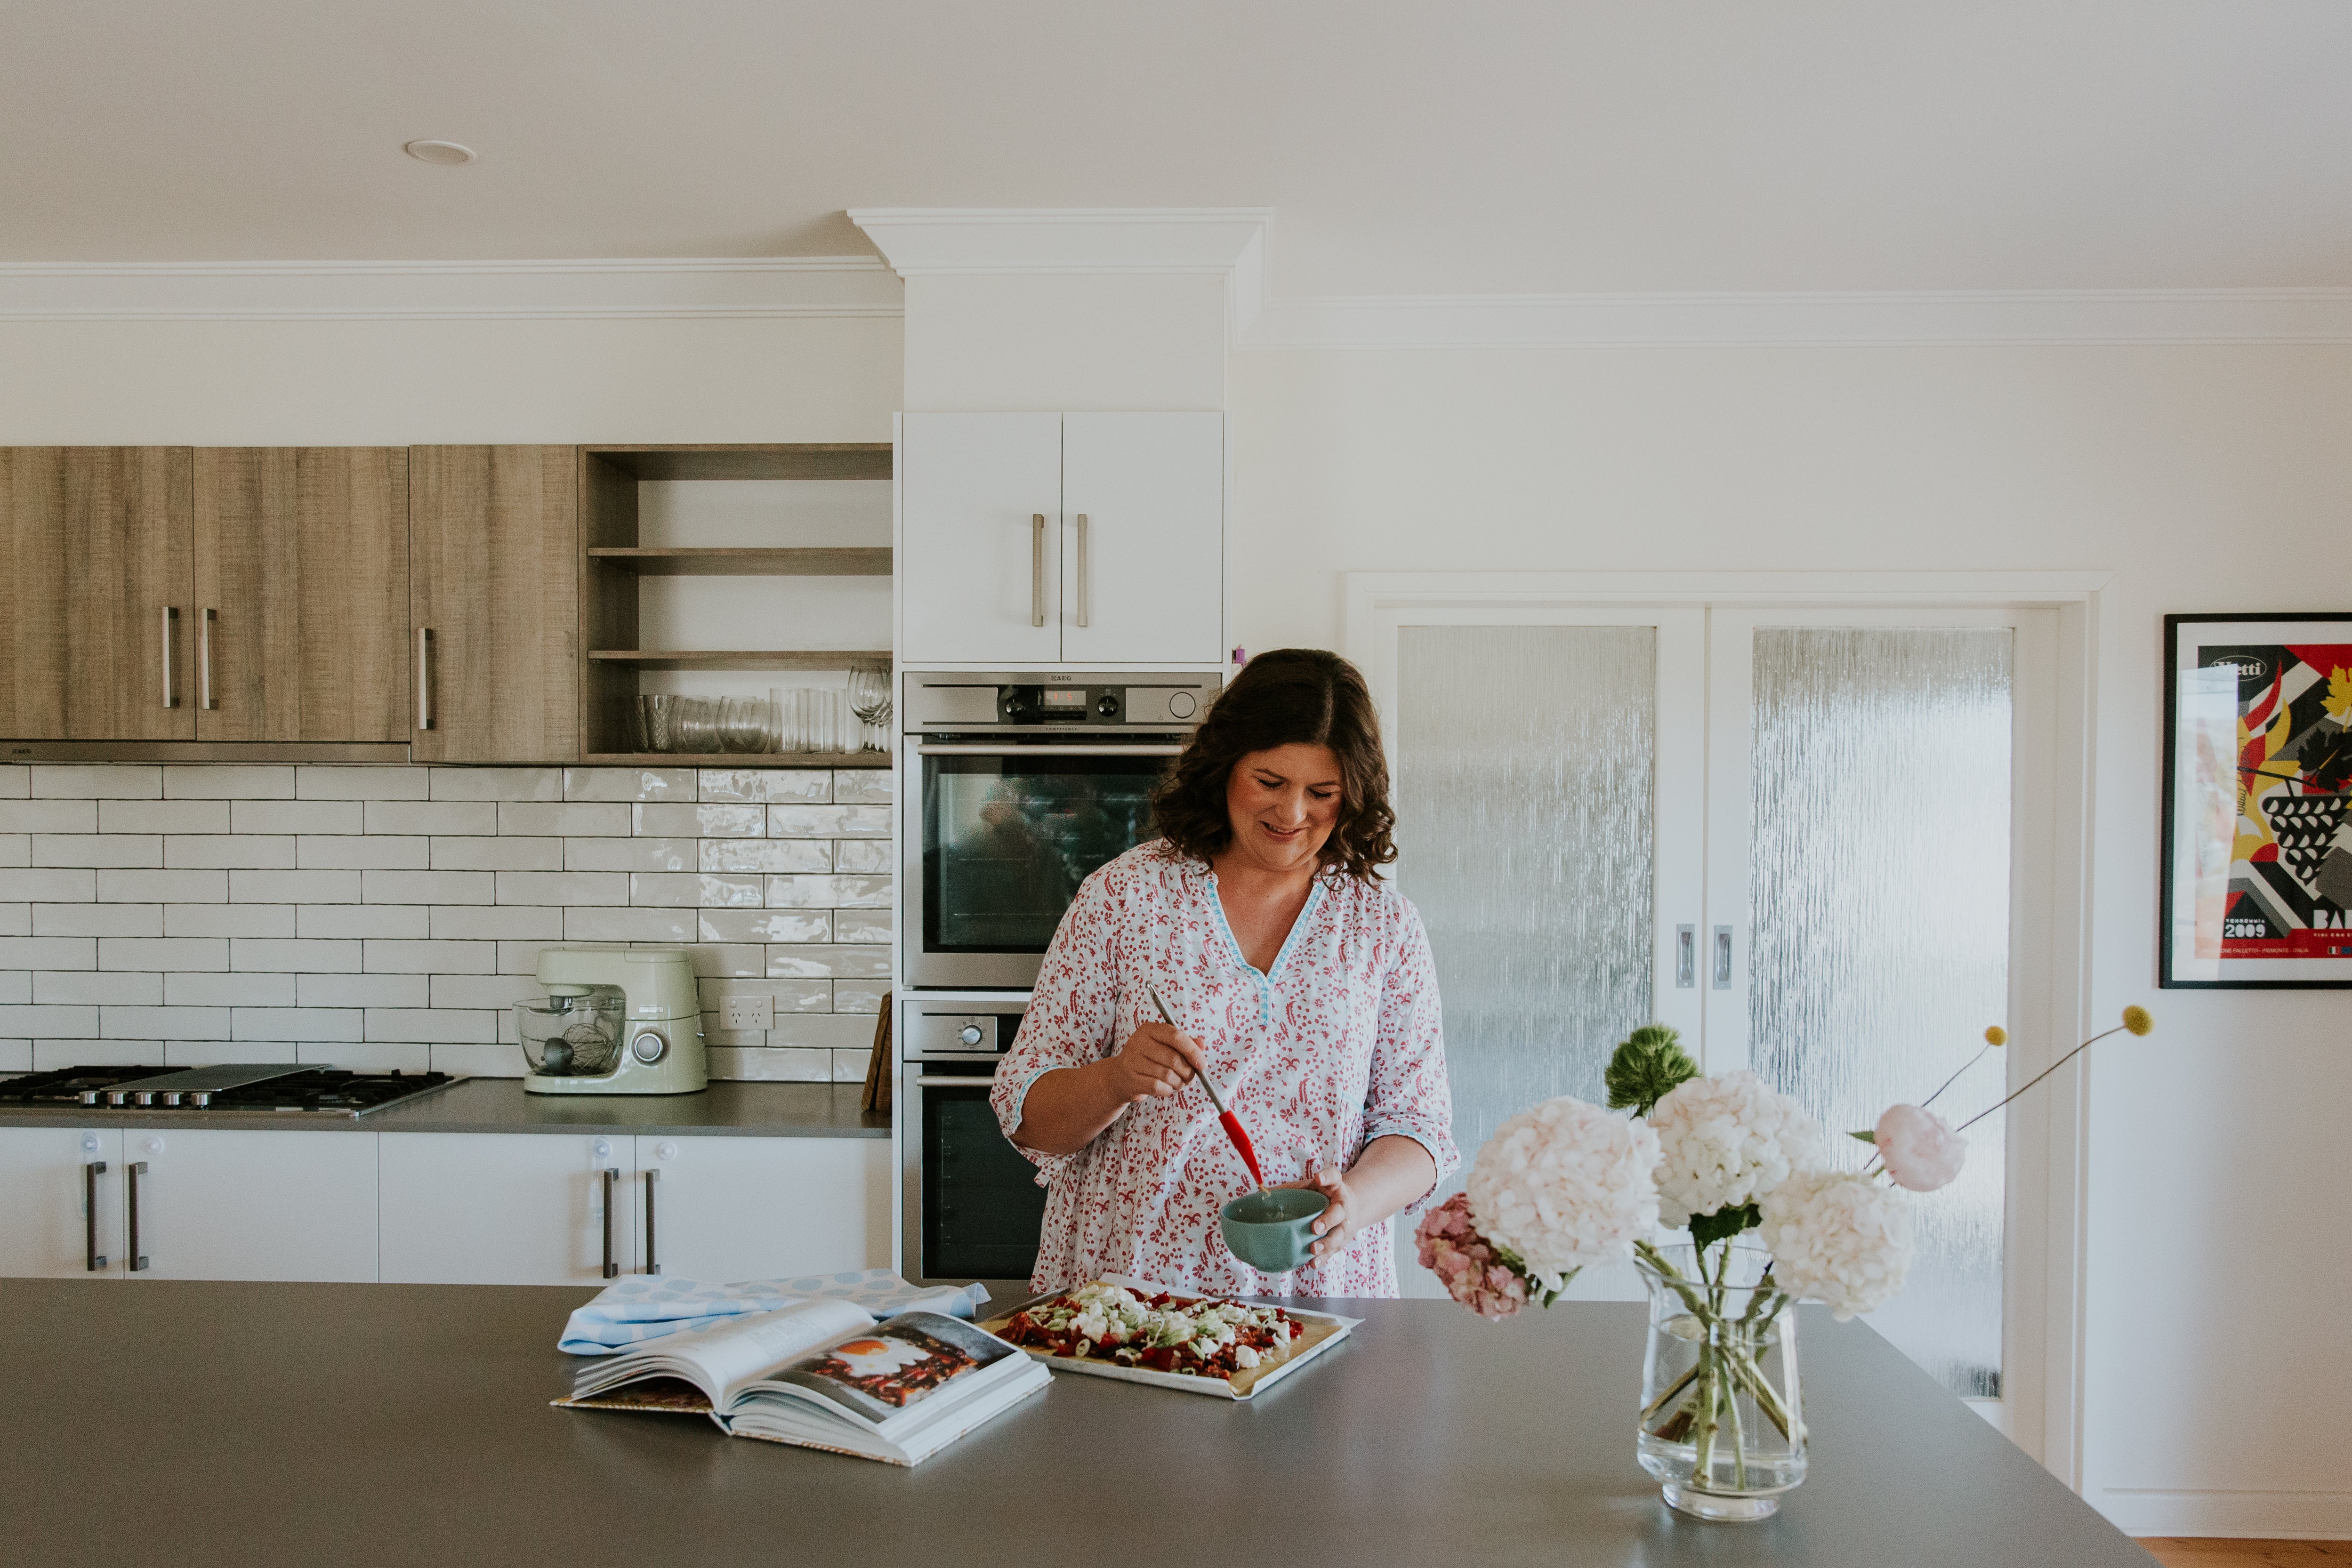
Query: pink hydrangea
{"x": 1920, "y": 1149}
{"x": 1451, "y": 1246}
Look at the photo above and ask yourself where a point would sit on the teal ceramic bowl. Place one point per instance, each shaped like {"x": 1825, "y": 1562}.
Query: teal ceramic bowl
{"x": 1270, "y": 1231}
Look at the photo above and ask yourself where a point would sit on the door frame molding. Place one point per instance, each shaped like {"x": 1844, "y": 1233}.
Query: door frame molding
{"x": 1374, "y": 604}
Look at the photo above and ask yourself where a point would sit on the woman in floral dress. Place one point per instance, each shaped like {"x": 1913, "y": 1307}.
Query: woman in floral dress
{"x": 1299, "y": 980}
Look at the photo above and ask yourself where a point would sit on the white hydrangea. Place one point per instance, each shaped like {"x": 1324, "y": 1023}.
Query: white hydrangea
{"x": 1566, "y": 1184}
{"x": 1727, "y": 1141}
{"x": 1838, "y": 1237}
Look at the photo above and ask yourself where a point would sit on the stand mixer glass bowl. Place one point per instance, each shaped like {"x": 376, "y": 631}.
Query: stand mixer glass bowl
{"x": 573, "y": 1036}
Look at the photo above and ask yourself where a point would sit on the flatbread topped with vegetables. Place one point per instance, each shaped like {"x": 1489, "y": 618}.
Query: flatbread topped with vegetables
{"x": 1158, "y": 1331}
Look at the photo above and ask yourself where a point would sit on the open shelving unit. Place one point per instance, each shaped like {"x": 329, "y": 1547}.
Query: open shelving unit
{"x": 612, "y": 562}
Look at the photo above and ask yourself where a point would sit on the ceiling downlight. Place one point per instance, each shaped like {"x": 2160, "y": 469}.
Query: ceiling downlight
{"x": 430, "y": 152}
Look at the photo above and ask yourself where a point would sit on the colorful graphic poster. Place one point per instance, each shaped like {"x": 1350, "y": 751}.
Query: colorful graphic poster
{"x": 2258, "y": 865}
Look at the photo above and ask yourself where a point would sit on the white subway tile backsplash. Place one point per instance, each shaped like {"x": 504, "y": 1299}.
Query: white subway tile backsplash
{"x": 478, "y": 817}
{"x": 295, "y": 1024}
{"x": 434, "y": 1026}
{"x": 624, "y": 854}
{"x": 15, "y": 1056}
{"x": 598, "y": 888}
{"x": 495, "y": 992}
{"x": 763, "y": 785}
{"x": 766, "y": 925}
{"x": 242, "y": 852}
{"x": 705, "y": 820}
{"x": 478, "y": 1060}
{"x": 48, "y": 953}
{"x": 228, "y": 920}
{"x": 344, "y": 816}
{"x": 297, "y": 886}
{"x": 153, "y": 887}
{"x": 849, "y": 1066}
{"x": 430, "y": 886}
{"x": 362, "y": 783}
{"x": 828, "y": 821}
{"x": 824, "y": 1031}
{"x": 354, "y": 920}
{"x": 628, "y": 784}
{"x": 498, "y": 923}
{"x": 828, "y": 961}
{"x": 628, "y": 926}
{"x": 498, "y": 784}
{"x": 862, "y": 926}
{"x": 98, "y": 919}
{"x": 771, "y": 1066}
{"x": 215, "y": 781}
{"x": 859, "y": 996}
{"x": 354, "y": 852}
{"x": 52, "y": 817}
{"x": 159, "y": 816}
{"x": 320, "y": 956}
{"x": 97, "y": 782}
{"x": 517, "y": 957}
{"x": 95, "y": 988}
{"x": 163, "y": 1023}
{"x": 788, "y": 996}
{"x": 362, "y": 990}
{"x": 714, "y": 962}
{"x": 866, "y": 855}
{"x": 828, "y": 891}
{"x": 16, "y": 849}
{"x": 16, "y": 987}
{"x": 229, "y": 990}
{"x": 766, "y": 854}
{"x": 211, "y": 1052}
{"x": 501, "y": 854}
{"x": 15, "y": 781}
{"x": 684, "y": 891}
{"x": 50, "y": 1054}
{"x": 161, "y": 953}
{"x": 16, "y": 919}
{"x": 366, "y": 1058}
{"x": 863, "y": 784}
{"x": 604, "y": 819}
{"x": 98, "y": 848}
{"x": 392, "y": 957}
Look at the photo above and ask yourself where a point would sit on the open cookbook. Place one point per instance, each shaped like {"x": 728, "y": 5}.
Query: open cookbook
{"x": 823, "y": 1374}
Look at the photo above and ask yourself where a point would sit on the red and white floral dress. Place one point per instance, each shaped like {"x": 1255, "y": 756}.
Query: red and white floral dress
{"x": 1339, "y": 1044}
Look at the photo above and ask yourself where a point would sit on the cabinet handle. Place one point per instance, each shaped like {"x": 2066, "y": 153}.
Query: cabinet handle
{"x": 611, "y": 1181}
{"x": 92, "y": 1258}
{"x": 1686, "y": 957}
{"x": 171, "y": 618}
{"x": 131, "y": 1205}
{"x": 1723, "y": 957}
{"x": 1036, "y": 568}
{"x": 1082, "y": 569}
{"x": 652, "y": 1266}
{"x": 424, "y": 677}
{"x": 205, "y": 659}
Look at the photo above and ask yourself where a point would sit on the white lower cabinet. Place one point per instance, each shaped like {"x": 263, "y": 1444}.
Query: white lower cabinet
{"x": 176, "y": 1204}
{"x": 506, "y": 1208}
{"x": 762, "y": 1209}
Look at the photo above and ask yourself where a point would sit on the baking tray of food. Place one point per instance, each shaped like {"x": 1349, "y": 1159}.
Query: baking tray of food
{"x": 1134, "y": 1331}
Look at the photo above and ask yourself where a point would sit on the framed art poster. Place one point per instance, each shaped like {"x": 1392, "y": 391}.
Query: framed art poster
{"x": 2257, "y": 774}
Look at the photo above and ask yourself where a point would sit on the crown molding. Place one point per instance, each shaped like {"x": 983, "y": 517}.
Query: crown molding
{"x": 1915, "y": 318}
{"x": 930, "y": 240}
{"x": 711, "y": 287}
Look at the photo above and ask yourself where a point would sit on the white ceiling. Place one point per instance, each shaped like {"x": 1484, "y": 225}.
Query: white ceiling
{"x": 1543, "y": 146}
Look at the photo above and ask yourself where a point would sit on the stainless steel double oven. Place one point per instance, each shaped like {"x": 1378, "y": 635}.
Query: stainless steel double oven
{"x": 1016, "y": 787}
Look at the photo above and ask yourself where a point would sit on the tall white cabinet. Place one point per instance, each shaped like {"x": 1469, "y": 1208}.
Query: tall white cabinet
{"x": 1029, "y": 540}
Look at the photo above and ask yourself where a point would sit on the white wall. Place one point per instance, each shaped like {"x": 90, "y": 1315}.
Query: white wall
{"x": 2205, "y": 479}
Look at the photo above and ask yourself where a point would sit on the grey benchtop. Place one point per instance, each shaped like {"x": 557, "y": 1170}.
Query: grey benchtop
{"x": 270, "y": 1423}
{"x": 728, "y": 1108}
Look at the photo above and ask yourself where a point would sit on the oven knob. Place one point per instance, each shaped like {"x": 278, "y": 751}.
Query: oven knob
{"x": 970, "y": 1034}
{"x": 144, "y": 1097}
{"x": 1106, "y": 704}
{"x": 201, "y": 1098}
{"x": 1181, "y": 705}
{"x": 90, "y": 1096}
{"x": 172, "y": 1099}
{"x": 649, "y": 1047}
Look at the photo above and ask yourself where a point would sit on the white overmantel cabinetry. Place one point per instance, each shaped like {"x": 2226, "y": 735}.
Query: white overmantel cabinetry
{"x": 1028, "y": 540}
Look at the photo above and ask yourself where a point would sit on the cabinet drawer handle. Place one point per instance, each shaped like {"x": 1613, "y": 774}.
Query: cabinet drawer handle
{"x": 204, "y": 623}
{"x": 1082, "y": 569}
{"x": 424, "y": 677}
{"x": 611, "y": 1181}
{"x": 131, "y": 1205}
{"x": 170, "y": 618}
{"x": 1036, "y": 568}
{"x": 652, "y": 1265}
{"x": 92, "y": 1258}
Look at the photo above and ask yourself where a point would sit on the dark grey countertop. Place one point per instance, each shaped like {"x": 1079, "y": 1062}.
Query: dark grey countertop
{"x": 728, "y": 1109}
{"x": 266, "y": 1424}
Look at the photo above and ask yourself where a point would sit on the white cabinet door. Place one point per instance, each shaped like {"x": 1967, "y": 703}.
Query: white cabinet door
{"x": 505, "y": 1209}
{"x": 250, "y": 1206}
{"x": 763, "y": 1208}
{"x": 1143, "y": 508}
{"x": 44, "y": 1179}
{"x": 980, "y": 576}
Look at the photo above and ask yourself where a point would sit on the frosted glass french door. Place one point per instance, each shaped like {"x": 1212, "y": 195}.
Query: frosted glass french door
{"x": 1791, "y": 834}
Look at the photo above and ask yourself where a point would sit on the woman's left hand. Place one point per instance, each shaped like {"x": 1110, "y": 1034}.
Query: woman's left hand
{"x": 1336, "y": 1226}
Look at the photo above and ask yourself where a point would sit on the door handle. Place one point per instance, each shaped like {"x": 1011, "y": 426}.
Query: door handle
{"x": 653, "y": 1265}
{"x": 131, "y": 1205}
{"x": 1082, "y": 569}
{"x": 205, "y": 659}
{"x": 424, "y": 677}
{"x": 92, "y": 1258}
{"x": 170, "y": 618}
{"x": 1686, "y": 957}
{"x": 1036, "y": 568}
{"x": 1723, "y": 957}
{"x": 612, "y": 1182}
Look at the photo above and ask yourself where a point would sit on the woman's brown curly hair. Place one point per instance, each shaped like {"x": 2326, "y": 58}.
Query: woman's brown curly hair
{"x": 1291, "y": 697}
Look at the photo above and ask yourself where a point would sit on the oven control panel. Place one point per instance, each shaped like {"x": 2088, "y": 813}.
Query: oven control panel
{"x": 940, "y": 1028}
{"x": 940, "y": 700}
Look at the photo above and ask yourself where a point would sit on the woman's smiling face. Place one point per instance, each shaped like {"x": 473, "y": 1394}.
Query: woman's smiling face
{"x": 1283, "y": 804}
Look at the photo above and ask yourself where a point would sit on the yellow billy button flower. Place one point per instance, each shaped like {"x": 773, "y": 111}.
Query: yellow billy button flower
{"x": 1996, "y": 1035}
{"x": 2136, "y": 1019}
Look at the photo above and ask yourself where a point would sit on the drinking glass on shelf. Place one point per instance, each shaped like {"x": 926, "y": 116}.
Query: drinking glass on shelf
{"x": 742, "y": 723}
{"x": 779, "y": 720}
{"x": 656, "y": 722}
{"x": 869, "y": 701}
{"x": 697, "y": 728}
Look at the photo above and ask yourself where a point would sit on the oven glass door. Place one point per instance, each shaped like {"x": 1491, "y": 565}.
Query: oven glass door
{"x": 981, "y": 1206}
{"x": 1008, "y": 835}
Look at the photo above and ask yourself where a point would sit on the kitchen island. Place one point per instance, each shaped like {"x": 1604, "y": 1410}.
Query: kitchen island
{"x": 198, "y": 1423}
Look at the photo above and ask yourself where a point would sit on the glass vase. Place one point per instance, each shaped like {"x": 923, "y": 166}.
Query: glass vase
{"x": 1722, "y": 1425}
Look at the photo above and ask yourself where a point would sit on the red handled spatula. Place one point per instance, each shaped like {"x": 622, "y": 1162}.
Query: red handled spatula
{"x": 1234, "y": 1129}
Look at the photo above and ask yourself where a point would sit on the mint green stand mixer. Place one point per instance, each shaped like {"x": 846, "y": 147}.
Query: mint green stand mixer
{"x": 617, "y": 1020}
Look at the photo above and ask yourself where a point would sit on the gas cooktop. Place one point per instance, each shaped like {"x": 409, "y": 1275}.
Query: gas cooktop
{"x": 234, "y": 1086}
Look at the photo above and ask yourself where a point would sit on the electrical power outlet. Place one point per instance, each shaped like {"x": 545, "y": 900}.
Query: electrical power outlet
{"x": 748, "y": 1012}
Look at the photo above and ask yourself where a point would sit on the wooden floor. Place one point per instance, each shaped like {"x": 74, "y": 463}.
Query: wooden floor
{"x": 2250, "y": 1553}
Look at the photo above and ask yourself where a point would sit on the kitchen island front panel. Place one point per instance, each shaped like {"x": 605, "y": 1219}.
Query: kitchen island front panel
{"x": 409, "y": 1426}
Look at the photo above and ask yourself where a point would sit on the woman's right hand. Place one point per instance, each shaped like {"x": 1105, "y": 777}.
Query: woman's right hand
{"x": 1157, "y": 1061}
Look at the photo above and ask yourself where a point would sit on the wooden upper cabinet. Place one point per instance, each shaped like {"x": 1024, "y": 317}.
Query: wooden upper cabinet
{"x": 97, "y": 600}
{"x": 301, "y": 593}
{"x": 494, "y": 596}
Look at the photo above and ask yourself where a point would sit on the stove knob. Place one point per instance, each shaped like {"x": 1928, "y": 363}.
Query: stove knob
{"x": 117, "y": 1097}
{"x": 143, "y": 1097}
{"x": 970, "y": 1034}
{"x": 649, "y": 1047}
{"x": 171, "y": 1098}
{"x": 90, "y": 1096}
{"x": 201, "y": 1098}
